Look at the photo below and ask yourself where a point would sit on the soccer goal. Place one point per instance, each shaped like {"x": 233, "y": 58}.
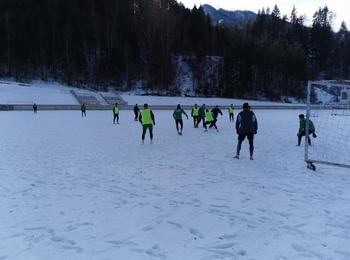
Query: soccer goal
{"x": 328, "y": 108}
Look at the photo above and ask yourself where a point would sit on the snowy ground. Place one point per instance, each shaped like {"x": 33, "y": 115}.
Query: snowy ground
{"x": 334, "y": 144}
{"x": 40, "y": 93}
{"x": 83, "y": 188}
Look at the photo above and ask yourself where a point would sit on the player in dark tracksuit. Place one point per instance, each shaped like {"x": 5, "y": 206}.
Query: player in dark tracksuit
{"x": 246, "y": 126}
{"x": 202, "y": 111}
{"x": 35, "y": 108}
{"x": 302, "y": 129}
{"x": 136, "y": 111}
{"x": 178, "y": 112}
{"x": 116, "y": 111}
{"x": 83, "y": 110}
{"x": 216, "y": 111}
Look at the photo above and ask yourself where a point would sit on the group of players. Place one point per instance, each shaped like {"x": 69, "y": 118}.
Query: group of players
{"x": 246, "y": 123}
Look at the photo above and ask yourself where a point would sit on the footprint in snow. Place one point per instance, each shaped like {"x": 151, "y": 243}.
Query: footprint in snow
{"x": 63, "y": 240}
{"x": 121, "y": 243}
{"x": 227, "y": 237}
{"x": 78, "y": 225}
{"x": 219, "y": 206}
{"x": 196, "y": 233}
{"x": 224, "y": 246}
{"x": 147, "y": 228}
{"x": 77, "y": 249}
{"x": 35, "y": 228}
{"x": 242, "y": 252}
{"x": 155, "y": 251}
{"x": 175, "y": 224}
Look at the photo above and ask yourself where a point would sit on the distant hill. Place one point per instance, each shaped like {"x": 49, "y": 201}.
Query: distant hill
{"x": 233, "y": 18}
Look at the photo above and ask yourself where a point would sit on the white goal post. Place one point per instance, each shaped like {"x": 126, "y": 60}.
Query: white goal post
{"x": 328, "y": 108}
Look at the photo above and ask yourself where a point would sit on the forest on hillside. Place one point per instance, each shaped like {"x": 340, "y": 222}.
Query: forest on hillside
{"x": 122, "y": 43}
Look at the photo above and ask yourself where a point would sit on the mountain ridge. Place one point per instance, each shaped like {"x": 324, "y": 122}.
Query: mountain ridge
{"x": 226, "y": 17}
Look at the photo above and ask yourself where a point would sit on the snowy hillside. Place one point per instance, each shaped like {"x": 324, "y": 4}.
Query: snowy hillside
{"x": 153, "y": 100}
{"x": 82, "y": 188}
{"x": 40, "y": 93}
{"x": 56, "y": 94}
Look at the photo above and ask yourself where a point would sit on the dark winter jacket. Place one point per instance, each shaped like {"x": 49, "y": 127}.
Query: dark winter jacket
{"x": 136, "y": 109}
{"x": 178, "y": 114}
{"x": 246, "y": 122}
{"x": 302, "y": 126}
{"x": 216, "y": 111}
{"x": 202, "y": 112}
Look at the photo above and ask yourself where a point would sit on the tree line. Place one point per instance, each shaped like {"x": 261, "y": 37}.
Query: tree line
{"x": 123, "y": 43}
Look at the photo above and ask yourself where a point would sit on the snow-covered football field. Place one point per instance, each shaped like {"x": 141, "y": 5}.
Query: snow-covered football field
{"x": 82, "y": 188}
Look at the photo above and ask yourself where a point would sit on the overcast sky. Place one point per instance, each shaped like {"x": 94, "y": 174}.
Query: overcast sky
{"x": 341, "y": 8}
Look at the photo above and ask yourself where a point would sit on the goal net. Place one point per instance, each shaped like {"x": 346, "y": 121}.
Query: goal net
{"x": 328, "y": 109}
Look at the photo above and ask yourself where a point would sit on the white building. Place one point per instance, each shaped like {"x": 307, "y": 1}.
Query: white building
{"x": 345, "y": 95}
{"x": 339, "y": 88}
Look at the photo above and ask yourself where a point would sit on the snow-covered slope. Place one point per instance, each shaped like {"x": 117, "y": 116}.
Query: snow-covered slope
{"x": 40, "y": 93}
{"x": 82, "y": 188}
{"x": 155, "y": 100}
{"x": 56, "y": 94}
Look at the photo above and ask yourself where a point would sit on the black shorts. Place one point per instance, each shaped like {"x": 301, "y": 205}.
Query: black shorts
{"x": 250, "y": 137}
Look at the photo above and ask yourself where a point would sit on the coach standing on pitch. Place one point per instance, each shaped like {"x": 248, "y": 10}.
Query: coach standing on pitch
{"x": 246, "y": 126}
